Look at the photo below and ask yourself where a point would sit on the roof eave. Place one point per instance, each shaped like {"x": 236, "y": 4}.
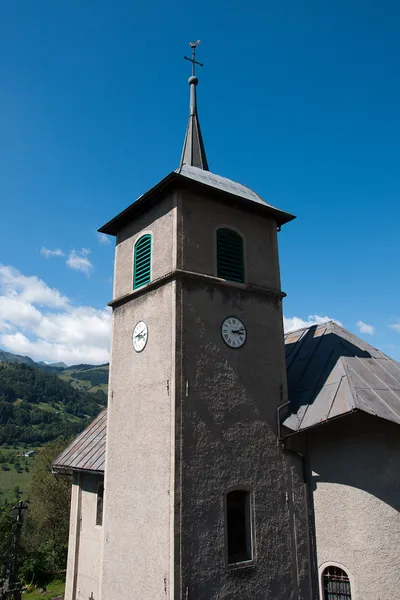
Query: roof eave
{"x": 124, "y": 217}
{"x": 67, "y": 470}
{"x": 115, "y": 225}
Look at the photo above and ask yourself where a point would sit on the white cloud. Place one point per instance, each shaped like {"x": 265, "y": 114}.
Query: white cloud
{"x": 47, "y": 253}
{"x": 293, "y": 323}
{"x": 395, "y": 326}
{"x": 29, "y": 289}
{"x": 364, "y": 328}
{"x": 103, "y": 238}
{"x": 58, "y": 332}
{"x": 78, "y": 260}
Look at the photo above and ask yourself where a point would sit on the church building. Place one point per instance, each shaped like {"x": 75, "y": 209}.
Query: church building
{"x": 233, "y": 462}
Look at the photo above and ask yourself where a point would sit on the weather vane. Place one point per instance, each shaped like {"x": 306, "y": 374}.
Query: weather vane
{"x": 193, "y": 60}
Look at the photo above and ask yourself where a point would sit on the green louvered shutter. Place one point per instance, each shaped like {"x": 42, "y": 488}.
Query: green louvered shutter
{"x": 230, "y": 264}
{"x": 142, "y": 261}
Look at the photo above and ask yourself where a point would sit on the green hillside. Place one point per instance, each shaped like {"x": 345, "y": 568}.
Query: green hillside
{"x": 88, "y": 378}
{"x": 37, "y": 406}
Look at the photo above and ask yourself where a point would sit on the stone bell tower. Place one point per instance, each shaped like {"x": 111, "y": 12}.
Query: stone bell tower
{"x": 196, "y": 502}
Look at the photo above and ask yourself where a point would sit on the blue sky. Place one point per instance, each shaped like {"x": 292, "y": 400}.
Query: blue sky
{"x": 299, "y": 101}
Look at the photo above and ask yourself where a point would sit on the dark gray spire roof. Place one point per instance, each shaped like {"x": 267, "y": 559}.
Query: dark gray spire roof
{"x": 193, "y": 153}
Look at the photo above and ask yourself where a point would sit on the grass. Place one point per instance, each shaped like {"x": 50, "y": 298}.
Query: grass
{"x": 9, "y": 480}
{"x": 54, "y": 589}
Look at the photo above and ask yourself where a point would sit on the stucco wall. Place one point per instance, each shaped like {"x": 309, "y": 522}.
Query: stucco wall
{"x": 85, "y": 540}
{"x": 230, "y": 438}
{"x": 200, "y": 219}
{"x": 136, "y": 559}
{"x": 356, "y": 491}
{"x": 159, "y": 221}
{"x": 73, "y": 540}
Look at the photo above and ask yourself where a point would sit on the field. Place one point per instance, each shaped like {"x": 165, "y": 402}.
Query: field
{"x": 10, "y": 477}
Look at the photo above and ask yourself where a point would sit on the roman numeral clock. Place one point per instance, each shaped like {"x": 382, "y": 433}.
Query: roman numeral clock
{"x": 233, "y": 332}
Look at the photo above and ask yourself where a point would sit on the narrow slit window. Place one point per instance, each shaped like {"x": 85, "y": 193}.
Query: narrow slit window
{"x": 230, "y": 259}
{"x": 99, "y": 508}
{"x": 336, "y": 584}
{"x": 239, "y": 526}
{"x": 142, "y": 261}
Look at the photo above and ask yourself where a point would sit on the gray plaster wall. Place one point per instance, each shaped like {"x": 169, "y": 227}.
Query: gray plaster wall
{"x": 139, "y": 465}
{"x": 85, "y": 540}
{"x": 229, "y": 438}
{"x": 73, "y": 539}
{"x": 159, "y": 221}
{"x": 356, "y": 492}
{"x": 199, "y": 220}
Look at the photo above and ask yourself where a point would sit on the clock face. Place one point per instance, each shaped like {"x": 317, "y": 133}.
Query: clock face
{"x": 233, "y": 332}
{"x": 139, "y": 336}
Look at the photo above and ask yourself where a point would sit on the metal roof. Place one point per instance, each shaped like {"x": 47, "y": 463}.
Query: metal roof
{"x": 193, "y": 178}
{"x": 222, "y": 183}
{"x": 88, "y": 451}
{"x": 193, "y": 147}
{"x": 332, "y": 372}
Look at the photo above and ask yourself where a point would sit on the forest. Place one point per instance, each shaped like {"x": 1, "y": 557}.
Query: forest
{"x": 36, "y": 406}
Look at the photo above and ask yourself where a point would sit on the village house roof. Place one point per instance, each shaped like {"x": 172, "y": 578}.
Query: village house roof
{"x": 330, "y": 371}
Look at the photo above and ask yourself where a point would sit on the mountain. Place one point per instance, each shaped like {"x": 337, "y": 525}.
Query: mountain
{"x": 59, "y": 365}
{"x": 83, "y": 377}
{"x": 15, "y": 358}
{"x": 37, "y": 406}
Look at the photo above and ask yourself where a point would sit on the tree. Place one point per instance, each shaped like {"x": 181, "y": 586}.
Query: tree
{"x": 6, "y": 536}
{"x": 46, "y": 526}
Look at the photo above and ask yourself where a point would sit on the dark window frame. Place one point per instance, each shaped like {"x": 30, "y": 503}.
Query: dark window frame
{"x": 336, "y": 583}
{"x": 100, "y": 504}
{"x": 247, "y": 557}
{"x": 230, "y": 255}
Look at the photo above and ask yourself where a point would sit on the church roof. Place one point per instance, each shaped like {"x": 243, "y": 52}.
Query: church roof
{"x": 332, "y": 372}
{"x": 88, "y": 451}
{"x": 222, "y": 183}
{"x": 197, "y": 180}
{"x": 194, "y": 153}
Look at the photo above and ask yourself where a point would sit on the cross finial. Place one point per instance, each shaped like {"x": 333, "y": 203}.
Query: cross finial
{"x": 193, "y": 60}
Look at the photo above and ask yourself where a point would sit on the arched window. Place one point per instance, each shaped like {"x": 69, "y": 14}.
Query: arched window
{"x": 336, "y": 584}
{"x": 142, "y": 261}
{"x": 230, "y": 262}
{"x": 239, "y": 526}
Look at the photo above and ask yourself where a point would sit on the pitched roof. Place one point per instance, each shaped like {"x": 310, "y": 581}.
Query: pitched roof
{"x": 196, "y": 179}
{"x": 88, "y": 451}
{"x": 332, "y": 372}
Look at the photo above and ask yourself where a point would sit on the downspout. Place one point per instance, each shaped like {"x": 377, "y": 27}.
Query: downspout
{"x": 307, "y": 499}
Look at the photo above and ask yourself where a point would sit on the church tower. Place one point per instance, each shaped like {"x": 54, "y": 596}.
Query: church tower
{"x": 196, "y": 503}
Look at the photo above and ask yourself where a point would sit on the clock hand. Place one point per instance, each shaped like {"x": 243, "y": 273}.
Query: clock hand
{"x": 241, "y": 331}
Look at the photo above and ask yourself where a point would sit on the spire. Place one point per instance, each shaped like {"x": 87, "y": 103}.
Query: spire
{"x": 193, "y": 152}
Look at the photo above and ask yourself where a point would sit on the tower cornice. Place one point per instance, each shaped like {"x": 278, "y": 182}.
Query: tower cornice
{"x": 182, "y": 274}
